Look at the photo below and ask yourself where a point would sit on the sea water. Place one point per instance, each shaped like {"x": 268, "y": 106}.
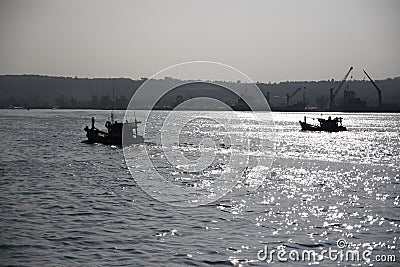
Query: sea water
{"x": 67, "y": 203}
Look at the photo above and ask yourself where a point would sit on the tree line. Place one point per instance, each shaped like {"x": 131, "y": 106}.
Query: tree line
{"x": 96, "y": 102}
{"x": 36, "y": 91}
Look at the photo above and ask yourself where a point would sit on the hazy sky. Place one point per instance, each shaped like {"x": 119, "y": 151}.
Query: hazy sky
{"x": 268, "y": 40}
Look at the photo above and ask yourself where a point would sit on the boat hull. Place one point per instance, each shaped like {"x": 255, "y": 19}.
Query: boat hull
{"x": 96, "y": 136}
{"x": 309, "y": 127}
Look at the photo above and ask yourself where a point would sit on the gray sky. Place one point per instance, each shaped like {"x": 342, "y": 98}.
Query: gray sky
{"x": 267, "y": 40}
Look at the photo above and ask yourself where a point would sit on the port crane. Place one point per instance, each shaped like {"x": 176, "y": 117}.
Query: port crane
{"x": 289, "y": 96}
{"x": 378, "y": 90}
{"x": 334, "y": 92}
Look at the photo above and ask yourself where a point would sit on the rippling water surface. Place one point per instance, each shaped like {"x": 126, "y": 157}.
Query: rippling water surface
{"x": 67, "y": 203}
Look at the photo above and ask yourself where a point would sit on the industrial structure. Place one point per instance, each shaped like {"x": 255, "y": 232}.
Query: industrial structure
{"x": 333, "y": 92}
{"x": 351, "y": 102}
{"x": 289, "y": 96}
{"x": 378, "y": 90}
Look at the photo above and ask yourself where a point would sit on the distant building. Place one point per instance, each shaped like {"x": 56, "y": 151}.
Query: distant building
{"x": 351, "y": 102}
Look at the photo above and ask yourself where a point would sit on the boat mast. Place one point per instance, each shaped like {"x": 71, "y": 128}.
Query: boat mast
{"x": 136, "y": 123}
{"x": 113, "y": 101}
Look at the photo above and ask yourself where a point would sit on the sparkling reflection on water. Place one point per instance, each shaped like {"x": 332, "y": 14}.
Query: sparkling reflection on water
{"x": 67, "y": 203}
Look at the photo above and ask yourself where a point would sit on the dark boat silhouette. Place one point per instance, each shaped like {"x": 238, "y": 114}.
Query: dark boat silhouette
{"x": 329, "y": 125}
{"x": 114, "y": 133}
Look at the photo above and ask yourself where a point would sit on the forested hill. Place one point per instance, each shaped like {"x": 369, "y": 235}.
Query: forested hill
{"x": 45, "y": 91}
{"x": 69, "y": 92}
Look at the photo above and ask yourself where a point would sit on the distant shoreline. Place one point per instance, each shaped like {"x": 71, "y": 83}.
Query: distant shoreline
{"x": 278, "y": 111}
{"x": 32, "y": 91}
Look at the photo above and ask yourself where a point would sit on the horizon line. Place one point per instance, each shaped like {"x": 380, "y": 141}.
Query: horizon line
{"x": 192, "y": 79}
